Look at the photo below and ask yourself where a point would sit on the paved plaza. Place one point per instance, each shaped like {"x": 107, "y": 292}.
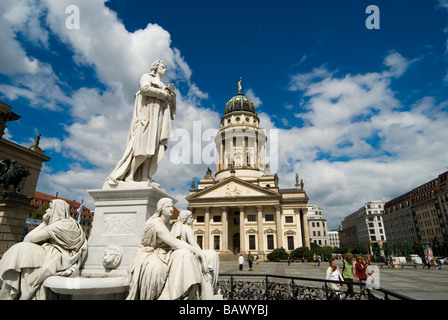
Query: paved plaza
{"x": 420, "y": 284}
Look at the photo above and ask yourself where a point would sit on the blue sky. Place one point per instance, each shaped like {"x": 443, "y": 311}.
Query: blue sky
{"x": 359, "y": 114}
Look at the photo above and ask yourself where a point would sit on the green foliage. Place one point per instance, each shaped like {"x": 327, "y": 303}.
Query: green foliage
{"x": 341, "y": 250}
{"x": 300, "y": 253}
{"x": 278, "y": 254}
{"x": 326, "y": 252}
{"x": 38, "y": 214}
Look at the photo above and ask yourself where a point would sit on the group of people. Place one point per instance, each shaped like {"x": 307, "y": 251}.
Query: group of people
{"x": 250, "y": 258}
{"x": 351, "y": 269}
{"x": 392, "y": 263}
{"x": 434, "y": 263}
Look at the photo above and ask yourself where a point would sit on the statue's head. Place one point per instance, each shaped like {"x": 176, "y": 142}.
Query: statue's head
{"x": 59, "y": 209}
{"x": 155, "y": 66}
{"x": 184, "y": 216}
{"x": 164, "y": 204}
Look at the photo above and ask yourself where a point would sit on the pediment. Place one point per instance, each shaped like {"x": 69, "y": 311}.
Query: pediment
{"x": 233, "y": 187}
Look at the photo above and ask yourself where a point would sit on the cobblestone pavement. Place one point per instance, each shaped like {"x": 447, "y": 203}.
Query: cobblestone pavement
{"x": 420, "y": 284}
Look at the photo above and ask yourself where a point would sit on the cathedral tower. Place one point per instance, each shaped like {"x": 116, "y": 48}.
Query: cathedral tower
{"x": 242, "y": 207}
{"x": 240, "y": 142}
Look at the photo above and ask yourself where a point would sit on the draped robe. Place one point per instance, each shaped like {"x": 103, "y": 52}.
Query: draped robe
{"x": 159, "y": 272}
{"x": 149, "y": 131}
{"x": 26, "y": 265}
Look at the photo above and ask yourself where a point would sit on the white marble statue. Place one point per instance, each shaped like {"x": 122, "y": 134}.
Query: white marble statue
{"x": 164, "y": 267}
{"x": 57, "y": 246}
{"x": 182, "y": 230}
{"x": 154, "y": 109}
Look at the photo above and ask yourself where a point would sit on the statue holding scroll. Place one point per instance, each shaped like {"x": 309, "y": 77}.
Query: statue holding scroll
{"x": 154, "y": 109}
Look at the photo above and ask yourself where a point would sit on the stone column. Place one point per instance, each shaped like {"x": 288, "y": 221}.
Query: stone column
{"x": 207, "y": 228}
{"x": 242, "y": 230}
{"x": 256, "y": 153}
{"x": 260, "y": 230}
{"x": 278, "y": 225}
{"x": 222, "y": 155}
{"x": 244, "y": 152}
{"x": 231, "y": 158}
{"x": 299, "y": 228}
{"x": 305, "y": 231}
{"x": 225, "y": 232}
{"x": 263, "y": 156}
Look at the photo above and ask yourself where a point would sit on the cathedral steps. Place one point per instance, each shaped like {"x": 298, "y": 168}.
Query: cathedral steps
{"x": 228, "y": 257}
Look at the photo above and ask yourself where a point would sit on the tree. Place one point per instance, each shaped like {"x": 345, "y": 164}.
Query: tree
{"x": 278, "y": 254}
{"x": 341, "y": 250}
{"x": 326, "y": 252}
{"x": 300, "y": 253}
{"x": 39, "y": 213}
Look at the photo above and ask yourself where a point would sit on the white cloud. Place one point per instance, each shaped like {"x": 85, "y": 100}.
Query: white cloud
{"x": 13, "y": 58}
{"x": 397, "y": 64}
{"x": 375, "y": 146}
{"x": 42, "y": 88}
{"x": 99, "y": 119}
{"x": 443, "y": 3}
{"x": 252, "y": 96}
{"x": 376, "y": 149}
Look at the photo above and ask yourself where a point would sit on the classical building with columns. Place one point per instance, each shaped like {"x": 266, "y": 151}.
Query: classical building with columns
{"x": 241, "y": 208}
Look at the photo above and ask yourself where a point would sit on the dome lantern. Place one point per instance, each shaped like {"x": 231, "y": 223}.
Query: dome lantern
{"x": 239, "y": 102}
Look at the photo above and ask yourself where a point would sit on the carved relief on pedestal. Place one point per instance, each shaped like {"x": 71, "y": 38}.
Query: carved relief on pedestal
{"x": 119, "y": 223}
{"x": 112, "y": 257}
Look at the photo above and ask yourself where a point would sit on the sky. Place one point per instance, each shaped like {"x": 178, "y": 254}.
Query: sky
{"x": 353, "y": 99}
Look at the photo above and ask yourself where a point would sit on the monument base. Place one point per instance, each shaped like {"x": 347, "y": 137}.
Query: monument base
{"x": 14, "y": 209}
{"x": 79, "y": 288}
{"x": 119, "y": 220}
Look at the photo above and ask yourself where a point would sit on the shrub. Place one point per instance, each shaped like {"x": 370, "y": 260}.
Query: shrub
{"x": 278, "y": 254}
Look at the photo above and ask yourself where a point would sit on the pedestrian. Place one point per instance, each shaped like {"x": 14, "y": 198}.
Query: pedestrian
{"x": 319, "y": 259}
{"x": 437, "y": 264}
{"x": 289, "y": 260}
{"x": 334, "y": 273}
{"x": 348, "y": 274}
{"x": 388, "y": 263}
{"x": 394, "y": 263}
{"x": 360, "y": 269}
{"x": 250, "y": 260}
{"x": 240, "y": 262}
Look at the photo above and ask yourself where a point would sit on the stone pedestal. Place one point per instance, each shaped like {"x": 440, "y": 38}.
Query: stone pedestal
{"x": 120, "y": 216}
{"x": 14, "y": 209}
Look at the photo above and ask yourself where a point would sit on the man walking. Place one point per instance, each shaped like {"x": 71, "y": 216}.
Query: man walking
{"x": 250, "y": 259}
{"x": 240, "y": 262}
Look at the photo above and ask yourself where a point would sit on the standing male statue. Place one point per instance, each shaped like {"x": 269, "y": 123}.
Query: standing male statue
{"x": 154, "y": 109}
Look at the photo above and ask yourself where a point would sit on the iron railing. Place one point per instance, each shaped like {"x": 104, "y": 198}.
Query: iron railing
{"x": 276, "y": 287}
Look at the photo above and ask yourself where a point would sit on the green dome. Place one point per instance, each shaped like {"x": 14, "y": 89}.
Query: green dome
{"x": 239, "y": 103}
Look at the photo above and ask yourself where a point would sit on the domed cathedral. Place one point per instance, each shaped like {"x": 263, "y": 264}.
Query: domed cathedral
{"x": 241, "y": 208}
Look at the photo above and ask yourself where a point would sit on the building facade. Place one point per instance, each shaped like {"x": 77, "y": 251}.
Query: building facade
{"x": 365, "y": 227}
{"x": 333, "y": 238}
{"x": 317, "y": 226}
{"x": 419, "y": 216}
{"x": 15, "y": 204}
{"x": 42, "y": 200}
{"x": 241, "y": 208}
